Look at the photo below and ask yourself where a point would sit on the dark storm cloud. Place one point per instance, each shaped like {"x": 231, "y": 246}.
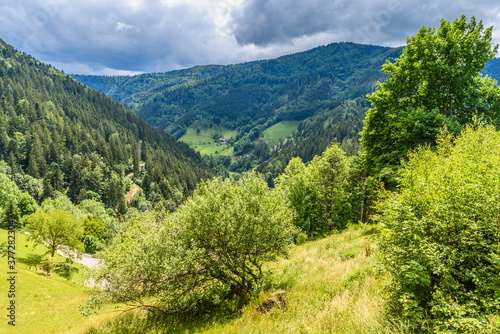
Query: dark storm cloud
{"x": 267, "y": 22}
{"x": 104, "y": 34}
{"x": 122, "y": 36}
{"x": 264, "y": 22}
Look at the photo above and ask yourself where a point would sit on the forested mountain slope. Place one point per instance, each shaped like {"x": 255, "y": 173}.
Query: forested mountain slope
{"x": 59, "y": 135}
{"x": 338, "y": 121}
{"x": 250, "y": 97}
{"x": 492, "y": 69}
{"x": 325, "y": 87}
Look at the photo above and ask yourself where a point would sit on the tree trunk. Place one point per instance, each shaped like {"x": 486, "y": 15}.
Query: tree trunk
{"x": 240, "y": 292}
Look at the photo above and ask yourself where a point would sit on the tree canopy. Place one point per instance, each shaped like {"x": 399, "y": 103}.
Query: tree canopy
{"x": 436, "y": 82}
{"x": 317, "y": 193}
{"x": 440, "y": 235}
{"x": 59, "y": 136}
{"x": 213, "y": 247}
{"x": 58, "y": 230}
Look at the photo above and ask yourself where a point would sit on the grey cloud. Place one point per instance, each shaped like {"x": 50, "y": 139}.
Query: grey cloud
{"x": 106, "y": 35}
{"x": 266, "y": 22}
{"x": 102, "y": 36}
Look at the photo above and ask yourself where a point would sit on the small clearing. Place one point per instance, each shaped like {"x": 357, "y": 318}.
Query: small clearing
{"x": 130, "y": 194}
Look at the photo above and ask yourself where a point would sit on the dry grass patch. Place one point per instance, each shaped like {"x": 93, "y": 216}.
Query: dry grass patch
{"x": 333, "y": 288}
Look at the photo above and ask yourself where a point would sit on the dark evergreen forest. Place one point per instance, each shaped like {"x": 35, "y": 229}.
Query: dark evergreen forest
{"x": 57, "y": 135}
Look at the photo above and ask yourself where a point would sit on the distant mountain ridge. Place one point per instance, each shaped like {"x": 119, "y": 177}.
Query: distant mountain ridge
{"x": 250, "y": 96}
{"x": 492, "y": 69}
{"x": 324, "y": 87}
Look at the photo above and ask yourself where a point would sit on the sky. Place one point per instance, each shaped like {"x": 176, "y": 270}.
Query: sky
{"x": 115, "y": 37}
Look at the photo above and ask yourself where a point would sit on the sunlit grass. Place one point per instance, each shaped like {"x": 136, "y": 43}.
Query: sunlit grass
{"x": 44, "y": 304}
{"x": 279, "y": 131}
{"x": 204, "y": 143}
{"x": 333, "y": 287}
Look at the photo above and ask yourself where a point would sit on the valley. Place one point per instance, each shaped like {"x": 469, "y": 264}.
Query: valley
{"x": 350, "y": 188}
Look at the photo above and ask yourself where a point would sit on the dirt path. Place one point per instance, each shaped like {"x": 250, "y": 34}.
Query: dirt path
{"x": 87, "y": 260}
{"x": 133, "y": 189}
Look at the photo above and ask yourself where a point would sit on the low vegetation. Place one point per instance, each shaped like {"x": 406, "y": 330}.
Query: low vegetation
{"x": 331, "y": 284}
{"x": 211, "y": 249}
{"x": 207, "y": 141}
{"x": 441, "y": 237}
{"x": 46, "y": 302}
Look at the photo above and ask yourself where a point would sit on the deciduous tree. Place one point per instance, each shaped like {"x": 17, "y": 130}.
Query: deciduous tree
{"x": 317, "y": 193}
{"x": 436, "y": 82}
{"x": 58, "y": 230}
{"x": 214, "y": 245}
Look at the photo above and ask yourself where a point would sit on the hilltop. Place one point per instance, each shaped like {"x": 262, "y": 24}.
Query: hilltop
{"x": 58, "y": 135}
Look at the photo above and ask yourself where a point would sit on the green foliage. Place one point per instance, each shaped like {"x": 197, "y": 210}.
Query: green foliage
{"x": 10, "y": 216}
{"x": 92, "y": 244}
{"x": 13, "y": 203}
{"x": 336, "y": 122}
{"x": 8, "y": 189}
{"x": 213, "y": 247}
{"x": 58, "y": 230}
{"x": 48, "y": 264}
{"x": 27, "y": 204}
{"x": 441, "y": 233}
{"x": 62, "y": 203}
{"x": 436, "y": 81}
{"x": 58, "y": 136}
{"x": 317, "y": 193}
{"x": 94, "y": 228}
{"x": 325, "y": 295}
{"x": 301, "y": 238}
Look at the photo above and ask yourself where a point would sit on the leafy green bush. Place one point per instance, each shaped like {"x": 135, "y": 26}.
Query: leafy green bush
{"x": 48, "y": 264}
{"x": 441, "y": 233}
{"x": 92, "y": 244}
{"x": 317, "y": 193}
{"x": 301, "y": 238}
{"x": 212, "y": 248}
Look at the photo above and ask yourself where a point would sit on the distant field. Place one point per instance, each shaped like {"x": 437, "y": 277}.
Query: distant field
{"x": 279, "y": 131}
{"x": 44, "y": 304}
{"x": 204, "y": 143}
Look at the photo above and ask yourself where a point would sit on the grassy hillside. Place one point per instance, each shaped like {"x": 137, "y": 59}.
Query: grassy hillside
{"x": 279, "y": 131}
{"x": 45, "y": 304}
{"x": 332, "y": 285}
{"x": 203, "y": 140}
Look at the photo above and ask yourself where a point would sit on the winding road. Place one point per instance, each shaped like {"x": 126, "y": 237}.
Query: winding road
{"x": 86, "y": 260}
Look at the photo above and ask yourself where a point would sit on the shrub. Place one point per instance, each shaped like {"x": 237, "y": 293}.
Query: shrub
{"x": 213, "y": 247}
{"x": 442, "y": 233}
{"x": 48, "y": 264}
